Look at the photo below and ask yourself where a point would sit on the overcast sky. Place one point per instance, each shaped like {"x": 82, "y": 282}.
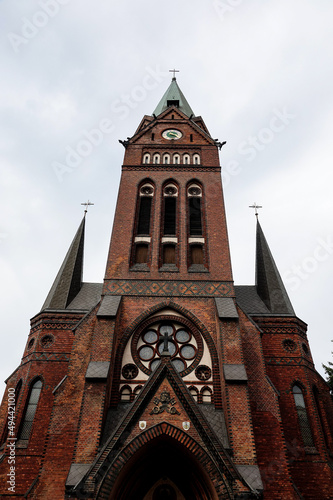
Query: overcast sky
{"x": 260, "y": 73}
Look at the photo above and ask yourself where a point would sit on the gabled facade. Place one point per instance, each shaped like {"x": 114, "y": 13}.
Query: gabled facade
{"x": 167, "y": 381}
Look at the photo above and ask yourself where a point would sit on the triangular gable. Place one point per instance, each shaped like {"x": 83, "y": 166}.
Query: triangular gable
{"x": 146, "y": 126}
{"x": 146, "y": 120}
{"x": 150, "y": 401}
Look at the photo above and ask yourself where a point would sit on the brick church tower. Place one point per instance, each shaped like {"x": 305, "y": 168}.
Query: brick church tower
{"x": 167, "y": 382}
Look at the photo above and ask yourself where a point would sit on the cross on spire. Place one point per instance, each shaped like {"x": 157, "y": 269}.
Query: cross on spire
{"x": 174, "y": 71}
{"x": 255, "y": 206}
{"x": 87, "y": 204}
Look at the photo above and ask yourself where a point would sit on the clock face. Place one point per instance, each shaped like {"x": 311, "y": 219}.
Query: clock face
{"x": 172, "y": 134}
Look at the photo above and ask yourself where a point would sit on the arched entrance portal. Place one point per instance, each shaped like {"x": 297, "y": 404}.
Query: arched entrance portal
{"x": 163, "y": 469}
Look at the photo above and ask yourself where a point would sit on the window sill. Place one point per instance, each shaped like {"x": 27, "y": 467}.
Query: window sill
{"x": 140, "y": 268}
{"x": 169, "y": 268}
{"x": 197, "y": 268}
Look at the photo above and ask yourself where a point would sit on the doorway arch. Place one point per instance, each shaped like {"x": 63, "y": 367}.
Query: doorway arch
{"x": 164, "y": 463}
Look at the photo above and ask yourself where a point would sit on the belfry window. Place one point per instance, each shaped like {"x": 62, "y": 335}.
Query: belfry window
{"x": 142, "y": 238}
{"x": 30, "y": 411}
{"x": 145, "y": 203}
{"x": 169, "y": 224}
{"x": 302, "y": 416}
{"x": 196, "y": 237}
{"x": 195, "y": 216}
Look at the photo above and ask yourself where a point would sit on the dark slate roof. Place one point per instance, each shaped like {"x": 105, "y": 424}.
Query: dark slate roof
{"x": 88, "y": 297}
{"x": 270, "y": 287}
{"x": 69, "y": 278}
{"x": 249, "y": 301}
{"x": 216, "y": 420}
{"x": 174, "y": 93}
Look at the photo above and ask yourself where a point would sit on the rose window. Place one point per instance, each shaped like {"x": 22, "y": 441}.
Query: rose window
{"x": 167, "y": 339}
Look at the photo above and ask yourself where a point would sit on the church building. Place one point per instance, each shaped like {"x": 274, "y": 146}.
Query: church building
{"x": 167, "y": 381}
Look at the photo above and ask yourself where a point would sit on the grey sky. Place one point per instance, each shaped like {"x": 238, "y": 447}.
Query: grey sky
{"x": 260, "y": 74}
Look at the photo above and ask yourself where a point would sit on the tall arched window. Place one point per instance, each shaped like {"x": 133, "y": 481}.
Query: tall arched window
{"x": 302, "y": 416}
{"x": 145, "y": 202}
{"x": 30, "y": 410}
{"x": 169, "y": 224}
{"x": 195, "y": 216}
{"x": 142, "y": 237}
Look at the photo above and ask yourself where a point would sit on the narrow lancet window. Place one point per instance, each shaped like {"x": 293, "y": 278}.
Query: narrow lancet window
{"x": 30, "y": 411}
{"x": 302, "y": 416}
{"x": 194, "y": 201}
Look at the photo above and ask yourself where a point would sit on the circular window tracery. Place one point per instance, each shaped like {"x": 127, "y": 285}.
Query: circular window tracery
{"x": 167, "y": 338}
{"x": 130, "y": 371}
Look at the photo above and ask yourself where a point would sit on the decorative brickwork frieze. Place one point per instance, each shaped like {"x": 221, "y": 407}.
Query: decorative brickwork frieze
{"x": 169, "y": 288}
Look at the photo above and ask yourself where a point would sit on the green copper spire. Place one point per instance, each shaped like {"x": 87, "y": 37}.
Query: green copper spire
{"x": 174, "y": 97}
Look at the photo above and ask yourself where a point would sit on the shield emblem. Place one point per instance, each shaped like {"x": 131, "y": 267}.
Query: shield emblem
{"x": 142, "y": 424}
{"x": 186, "y": 426}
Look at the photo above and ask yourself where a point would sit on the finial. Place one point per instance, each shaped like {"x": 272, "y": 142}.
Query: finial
{"x": 174, "y": 71}
{"x": 87, "y": 204}
{"x": 255, "y": 206}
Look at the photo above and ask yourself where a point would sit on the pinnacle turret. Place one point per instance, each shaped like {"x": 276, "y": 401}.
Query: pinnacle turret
{"x": 269, "y": 284}
{"x": 69, "y": 278}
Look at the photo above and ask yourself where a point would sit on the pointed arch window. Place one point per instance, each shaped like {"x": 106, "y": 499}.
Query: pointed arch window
{"x": 206, "y": 395}
{"x": 145, "y": 204}
{"x": 196, "y": 237}
{"x": 142, "y": 237}
{"x": 195, "y": 210}
{"x": 302, "y": 416}
{"x": 169, "y": 238}
{"x": 30, "y": 411}
{"x": 194, "y": 393}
